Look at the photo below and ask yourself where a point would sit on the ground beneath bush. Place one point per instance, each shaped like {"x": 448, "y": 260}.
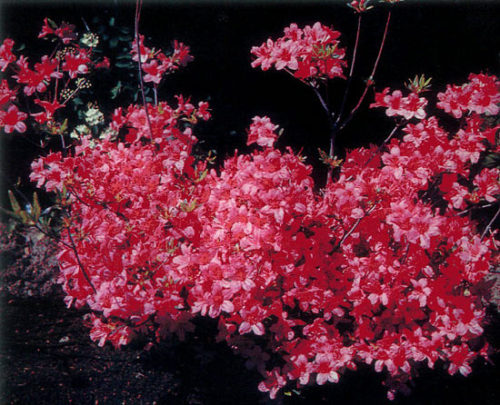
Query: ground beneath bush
{"x": 48, "y": 358}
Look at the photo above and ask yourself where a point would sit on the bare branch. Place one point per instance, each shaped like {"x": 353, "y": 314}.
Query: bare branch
{"x": 138, "y": 6}
{"x": 73, "y": 247}
{"x": 490, "y": 224}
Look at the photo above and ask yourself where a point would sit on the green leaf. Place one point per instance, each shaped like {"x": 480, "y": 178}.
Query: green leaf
{"x": 10, "y": 213}
{"x": 14, "y": 204}
{"x": 492, "y": 160}
{"x": 116, "y": 90}
{"x": 25, "y": 218}
{"x": 35, "y": 208}
{"x": 122, "y": 64}
{"x": 64, "y": 125}
{"x": 52, "y": 24}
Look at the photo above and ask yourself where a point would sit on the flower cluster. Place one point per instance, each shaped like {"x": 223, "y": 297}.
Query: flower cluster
{"x": 480, "y": 95}
{"x": 72, "y": 61}
{"x": 381, "y": 277}
{"x": 262, "y": 132}
{"x": 65, "y": 32}
{"x": 132, "y": 203}
{"x": 360, "y": 6}
{"x": 155, "y": 64}
{"x": 406, "y": 107}
{"x": 308, "y": 53}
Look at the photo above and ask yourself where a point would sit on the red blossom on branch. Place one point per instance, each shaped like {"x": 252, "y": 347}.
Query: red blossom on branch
{"x": 12, "y": 119}
{"x": 406, "y": 107}
{"x": 65, "y": 32}
{"x": 156, "y": 64}
{"x": 308, "y": 53}
{"x": 481, "y": 95}
{"x": 6, "y": 55}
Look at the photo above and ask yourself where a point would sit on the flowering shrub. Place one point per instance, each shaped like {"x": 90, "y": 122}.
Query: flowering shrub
{"x": 51, "y": 83}
{"x": 155, "y": 64}
{"x": 309, "y": 53}
{"x": 382, "y": 266}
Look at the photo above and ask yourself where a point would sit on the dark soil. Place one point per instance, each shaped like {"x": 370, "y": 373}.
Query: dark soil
{"x": 48, "y": 358}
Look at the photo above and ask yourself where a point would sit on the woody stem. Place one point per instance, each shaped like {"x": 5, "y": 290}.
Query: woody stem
{"x": 138, "y": 6}
{"x": 369, "y": 82}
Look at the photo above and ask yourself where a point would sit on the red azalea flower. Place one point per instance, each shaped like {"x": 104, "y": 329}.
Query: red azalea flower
{"x": 308, "y": 53}
{"x": 32, "y": 80}
{"x": 65, "y": 32}
{"x": 49, "y": 109}
{"x": 46, "y": 29}
{"x": 360, "y": 5}
{"x": 181, "y": 55}
{"x": 12, "y": 119}
{"x": 262, "y": 132}
{"x": 48, "y": 68}
{"x": 6, "y": 55}
{"x": 6, "y": 94}
{"x": 76, "y": 64}
{"x": 104, "y": 64}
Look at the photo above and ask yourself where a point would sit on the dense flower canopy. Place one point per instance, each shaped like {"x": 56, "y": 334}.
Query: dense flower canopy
{"x": 381, "y": 275}
{"x": 381, "y": 266}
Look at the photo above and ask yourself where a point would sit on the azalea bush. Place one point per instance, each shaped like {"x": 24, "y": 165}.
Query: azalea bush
{"x": 381, "y": 265}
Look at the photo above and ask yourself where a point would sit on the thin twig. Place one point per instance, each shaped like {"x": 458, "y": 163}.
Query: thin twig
{"x": 155, "y": 93}
{"x": 57, "y": 239}
{"x": 138, "y": 6}
{"x": 101, "y": 204}
{"x": 490, "y": 224}
{"x": 330, "y": 116}
{"x": 73, "y": 247}
{"x": 63, "y": 144}
{"x": 323, "y": 102}
{"x": 86, "y": 25}
{"x": 355, "y": 225}
{"x": 331, "y": 125}
{"x": 405, "y": 256}
{"x": 475, "y": 207}
{"x": 77, "y": 89}
{"x": 369, "y": 82}
{"x": 351, "y": 71}
{"x": 379, "y": 149}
